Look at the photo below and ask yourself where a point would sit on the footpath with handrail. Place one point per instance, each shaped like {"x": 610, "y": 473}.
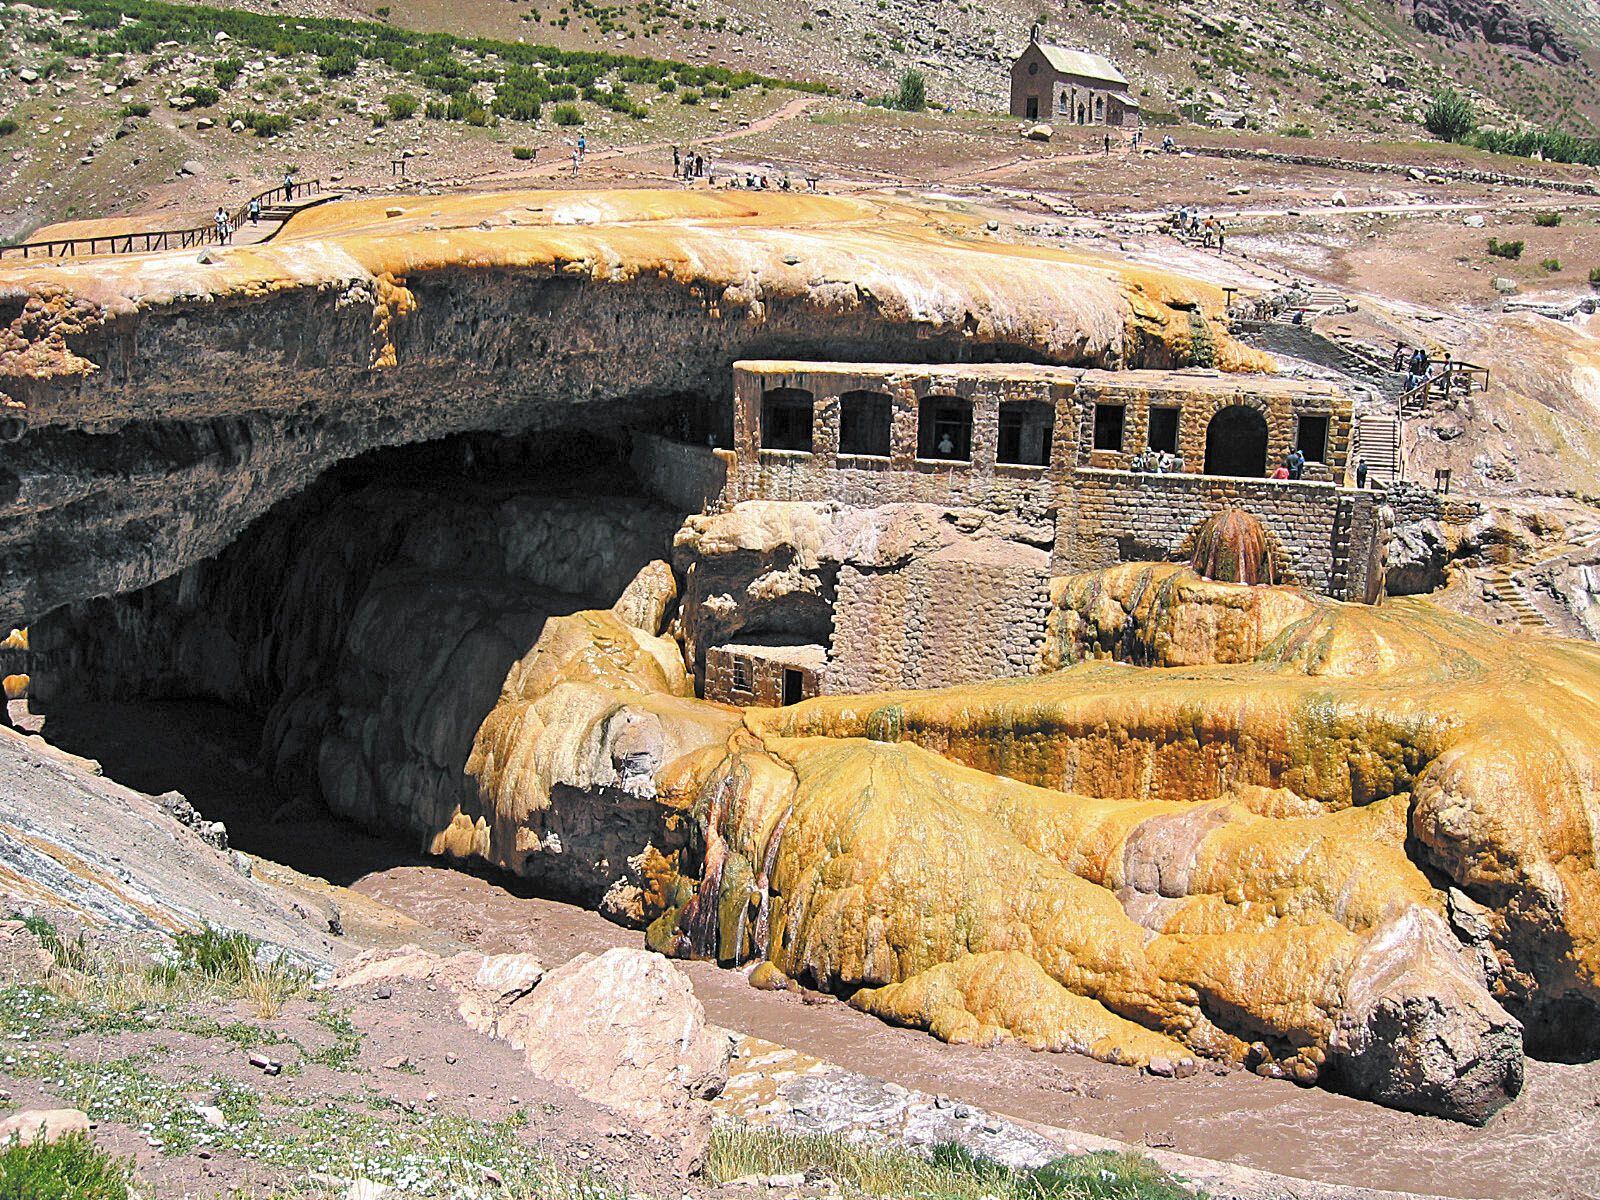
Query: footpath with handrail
{"x": 161, "y": 239}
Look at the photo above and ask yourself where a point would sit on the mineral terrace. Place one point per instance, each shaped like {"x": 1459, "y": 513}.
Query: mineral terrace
{"x": 775, "y": 575}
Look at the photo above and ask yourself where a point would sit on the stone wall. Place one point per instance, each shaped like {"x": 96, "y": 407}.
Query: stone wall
{"x": 686, "y": 478}
{"x": 963, "y": 616}
{"x": 1114, "y": 517}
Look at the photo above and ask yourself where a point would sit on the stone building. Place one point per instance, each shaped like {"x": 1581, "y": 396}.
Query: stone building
{"x": 1072, "y": 87}
{"x": 1051, "y": 450}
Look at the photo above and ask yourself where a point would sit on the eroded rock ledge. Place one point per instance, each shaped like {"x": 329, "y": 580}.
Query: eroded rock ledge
{"x": 157, "y": 404}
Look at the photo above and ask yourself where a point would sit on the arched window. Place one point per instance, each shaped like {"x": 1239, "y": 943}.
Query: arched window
{"x": 1236, "y": 443}
{"x": 864, "y": 419}
{"x": 1099, "y": 108}
{"x": 944, "y": 428}
{"x": 786, "y": 419}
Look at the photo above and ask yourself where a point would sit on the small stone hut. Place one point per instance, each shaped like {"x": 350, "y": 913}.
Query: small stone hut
{"x": 1071, "y": 87}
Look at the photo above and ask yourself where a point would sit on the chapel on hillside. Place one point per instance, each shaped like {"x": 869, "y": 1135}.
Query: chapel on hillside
{"x": 1074, "y": 87}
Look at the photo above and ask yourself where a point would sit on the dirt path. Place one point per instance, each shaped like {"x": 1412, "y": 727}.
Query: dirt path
{"x": 797, "y": 107}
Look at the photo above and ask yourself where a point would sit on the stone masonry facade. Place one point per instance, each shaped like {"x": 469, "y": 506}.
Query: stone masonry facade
{"x": 1051, "y": 450}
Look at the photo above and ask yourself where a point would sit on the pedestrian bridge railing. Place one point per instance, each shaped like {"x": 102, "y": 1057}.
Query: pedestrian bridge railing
{"x": 140, "y": 242}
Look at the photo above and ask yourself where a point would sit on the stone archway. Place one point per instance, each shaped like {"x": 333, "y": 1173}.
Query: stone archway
{"x": 1236, "y": 442}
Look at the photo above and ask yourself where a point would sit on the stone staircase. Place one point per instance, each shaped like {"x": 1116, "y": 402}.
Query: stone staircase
{"x": 1376, "y": 440}
{"x": 1500, "y": 586}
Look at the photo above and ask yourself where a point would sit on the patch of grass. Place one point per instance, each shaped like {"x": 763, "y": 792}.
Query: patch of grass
{"x": 202, "y": 94}
{"x": 137, "y": 108}
{"x": 1547, "y": 220}
{"x": 234, "y": 963}
{"x": 8, "y": 126}
{"x": 70, "y": 1168}
{"x": 950, "y": 1172}
{"x": 401, "y": 105}
{"x": 523, "y": 153}
{"x": 1594, "y": 276}
{"x": 1501, "y": 249}
{"x": 1551, "y": 264}
{"x": 66, "y": 954}
{"x": 347, "y": 1040}
{"x": 566, "y": 114}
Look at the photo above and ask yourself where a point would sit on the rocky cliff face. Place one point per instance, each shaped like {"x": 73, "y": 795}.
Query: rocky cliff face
{"x": 1493, "y": 21}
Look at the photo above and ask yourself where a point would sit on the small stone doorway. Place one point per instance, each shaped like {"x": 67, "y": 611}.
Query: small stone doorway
{"x": 794, "y": 686}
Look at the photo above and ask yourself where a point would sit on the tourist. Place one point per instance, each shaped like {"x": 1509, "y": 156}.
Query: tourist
{"x": 255, "y": 209}
{"x": 1208, "y": 232}
{"x": 288, "y": 184}
{"x": 677, "y": 162}
{"x": 1141, "y": 462}
{"x": 1282, "y": 472}
{"x": 1108, "y": 143}
{"x": 583, "y": 145}
{"x": 1177, "y": 464}
{"x": 1164, "y": 464}
{"x": 220, "y": 220}
{"x": 1361, "y": 473}
{"x": 1398, "y": 363}
{"x": 1419, "y": 362}
{"x": 1222, "y": 235}
{"x": 577, "y": 157}
{"x": 1138, "y": 136}
{"x": 946, "y": 447}
{"x": 1296, "y": 463}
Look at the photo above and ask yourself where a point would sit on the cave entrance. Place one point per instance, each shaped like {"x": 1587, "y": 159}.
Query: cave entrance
{"x": 1236, "y": 443}
{"x": 333, "y": 664}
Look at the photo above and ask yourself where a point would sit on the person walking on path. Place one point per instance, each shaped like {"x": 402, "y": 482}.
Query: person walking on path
{"x": 255, "y": 210}
{"x": 1108, "y": 143}
{"x": 677, "y": 162}
{"x": 583, "y": 145}
{"x": 1361, "y": 473}
{"x": 221, "y": 222}
{"x": 288, "y": 185}
{"x": 1296, "y": 463}
{"x": 577, "y": 157}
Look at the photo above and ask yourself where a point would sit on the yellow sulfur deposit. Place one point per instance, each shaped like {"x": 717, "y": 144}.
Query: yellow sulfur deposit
{"x": 1321, "y": 840}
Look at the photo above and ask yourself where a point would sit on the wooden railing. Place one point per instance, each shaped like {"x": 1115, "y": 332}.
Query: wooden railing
{"x": 157, "y": 239}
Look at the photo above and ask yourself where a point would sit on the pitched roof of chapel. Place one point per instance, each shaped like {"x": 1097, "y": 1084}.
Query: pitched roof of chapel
{"x": 1082, "y": 63}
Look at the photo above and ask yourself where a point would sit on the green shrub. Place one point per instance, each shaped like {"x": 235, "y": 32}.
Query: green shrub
{"x": 137, "y": 109}
{"x": 227, "y": 71}
{"x": 689, "y": 96}
{"x": 1551, "y": 264}
{"x": 340, "y": 63}
{"x": 401, "y": 105}
{"x": 70, "y": 1168}
{"x": 566, "y": 114}
{"x": 1594, "y": 276}
{"x": 8, "y": 126}
{"x": 1547, "y": 220}
{"x": 203, "y": 94}
{"x": 1296, "y": 131}
{"x": 1505, "y": 249}
{"x": 1450, "y": 117}
{"x": 913, "y": 95}
{"x": 667, "y": 84}
{"x": 523, "y": 153}
{"x": 1552, "y": 145}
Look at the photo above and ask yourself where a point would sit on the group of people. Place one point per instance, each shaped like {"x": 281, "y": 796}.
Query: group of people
{"x": 1186, "y": 222}
{"x": 689, "y": 164}
{"x": 1293, "y": 466}
{"x": 1414, "y": 362}
{"x": 1152, "y": 462}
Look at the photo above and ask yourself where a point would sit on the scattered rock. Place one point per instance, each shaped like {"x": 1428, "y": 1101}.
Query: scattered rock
{"x": 1040, "y": 133}
{"x": 46, "y": 1124}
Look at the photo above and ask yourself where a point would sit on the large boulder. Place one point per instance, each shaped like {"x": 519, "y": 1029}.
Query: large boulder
{"x": 42, "y": 1125}
{"x": 626, "y": 1030}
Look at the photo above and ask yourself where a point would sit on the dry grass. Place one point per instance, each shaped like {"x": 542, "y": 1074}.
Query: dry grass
{"x": 949, "y": 1172}
{"x": 211, "y": 963}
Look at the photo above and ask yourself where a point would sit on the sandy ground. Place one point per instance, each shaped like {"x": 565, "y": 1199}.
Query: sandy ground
{"x": 1549, "y": 1134}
